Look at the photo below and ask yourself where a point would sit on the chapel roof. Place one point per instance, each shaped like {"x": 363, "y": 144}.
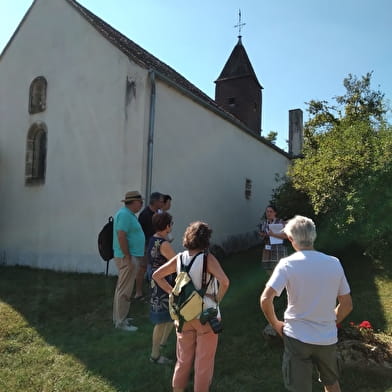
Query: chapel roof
{"x": 139, "y": 55}
{"x": 148, "y": 61}
{"x": 237, "y": 62}
{"x": 238, "y": 65}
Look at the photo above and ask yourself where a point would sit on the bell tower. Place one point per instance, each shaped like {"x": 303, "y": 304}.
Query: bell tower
{"x": 237, "y": 89}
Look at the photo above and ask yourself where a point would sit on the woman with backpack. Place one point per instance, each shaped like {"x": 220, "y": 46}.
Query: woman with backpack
{"x": 198, "y": 339}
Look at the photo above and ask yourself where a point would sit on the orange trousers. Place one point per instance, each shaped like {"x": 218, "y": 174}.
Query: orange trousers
{"x": 196, "y": 345}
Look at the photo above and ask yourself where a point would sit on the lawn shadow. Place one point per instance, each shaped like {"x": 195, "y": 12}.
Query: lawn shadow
{"x": 73, "y": 313}
{"x": 363, "y": 272}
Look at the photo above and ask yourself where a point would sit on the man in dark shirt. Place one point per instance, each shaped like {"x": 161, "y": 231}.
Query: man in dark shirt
{"x": 145, "y": 220}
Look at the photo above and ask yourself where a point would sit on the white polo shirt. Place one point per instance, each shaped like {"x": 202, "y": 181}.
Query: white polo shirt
{"x": 313, "y": 281}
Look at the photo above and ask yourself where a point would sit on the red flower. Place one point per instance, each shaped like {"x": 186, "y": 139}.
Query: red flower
{"x": 352, "y": 324}
{"x": 365, "y": 324}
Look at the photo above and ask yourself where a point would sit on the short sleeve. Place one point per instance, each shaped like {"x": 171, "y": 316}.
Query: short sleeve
{"x": 278, "y": 279}
{"x": 344, "y": 287}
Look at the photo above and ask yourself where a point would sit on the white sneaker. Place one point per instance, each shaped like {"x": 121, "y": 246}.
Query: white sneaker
{"x": 128, "y": 320}
{"x": 161, "y": 360}
{"x": 127, "y": 327}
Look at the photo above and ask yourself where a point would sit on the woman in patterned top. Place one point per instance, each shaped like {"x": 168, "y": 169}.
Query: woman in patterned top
{"x": 159, "y": 252}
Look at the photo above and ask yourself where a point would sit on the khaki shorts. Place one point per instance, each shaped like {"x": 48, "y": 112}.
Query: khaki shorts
{"x": 299, "y": 359}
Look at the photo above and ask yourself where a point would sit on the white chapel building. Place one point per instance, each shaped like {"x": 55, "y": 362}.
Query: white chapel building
{"x": 86, "y": 115}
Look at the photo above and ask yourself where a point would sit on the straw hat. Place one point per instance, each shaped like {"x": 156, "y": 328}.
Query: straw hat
{"x": 132, "y": 195}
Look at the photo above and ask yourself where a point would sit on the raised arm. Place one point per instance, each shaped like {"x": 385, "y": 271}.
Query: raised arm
{"x": 166, "y": 269}
{"x": 267, "y": 306}
{"x": 215, "y": 269}
{"x": 282, "y": 236}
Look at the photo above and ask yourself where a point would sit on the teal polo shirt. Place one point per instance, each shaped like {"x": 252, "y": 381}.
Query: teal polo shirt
{"x": 125, "y": 220}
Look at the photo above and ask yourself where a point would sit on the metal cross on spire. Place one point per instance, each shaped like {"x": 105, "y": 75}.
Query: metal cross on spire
{"x": 239, "y": 25}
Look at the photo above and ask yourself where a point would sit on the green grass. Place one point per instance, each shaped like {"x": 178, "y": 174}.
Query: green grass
{"x": 56, "y": 333}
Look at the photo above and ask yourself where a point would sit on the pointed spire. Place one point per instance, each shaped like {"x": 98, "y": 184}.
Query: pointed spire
{"x": 238, "y": 65}
{"x": 237, "y": 89}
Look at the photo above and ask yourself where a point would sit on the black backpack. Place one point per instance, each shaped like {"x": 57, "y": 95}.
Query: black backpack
{"x": 105, "y": 242}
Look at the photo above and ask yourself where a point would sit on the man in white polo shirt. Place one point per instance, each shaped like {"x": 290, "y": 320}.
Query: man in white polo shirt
{"x": 315, "y": 282}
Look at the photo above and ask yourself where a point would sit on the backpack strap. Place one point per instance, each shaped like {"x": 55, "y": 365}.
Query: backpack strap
{"x": 188, "y": 267}
{"x": 181, "y": 322}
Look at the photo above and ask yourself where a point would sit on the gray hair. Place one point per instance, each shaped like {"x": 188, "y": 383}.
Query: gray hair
{"x": 302, "y": 230}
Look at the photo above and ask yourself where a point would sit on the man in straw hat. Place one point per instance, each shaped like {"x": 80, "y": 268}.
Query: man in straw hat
{"x": 128, "y": 246}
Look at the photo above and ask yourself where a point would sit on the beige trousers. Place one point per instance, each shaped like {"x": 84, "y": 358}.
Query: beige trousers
{"x": 127, "y": 272}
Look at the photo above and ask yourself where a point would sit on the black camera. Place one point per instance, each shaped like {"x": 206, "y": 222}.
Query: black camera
{"x": 210, "y": 316}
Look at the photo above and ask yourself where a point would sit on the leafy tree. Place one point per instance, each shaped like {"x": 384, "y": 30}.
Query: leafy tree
{"x": 272, "y": 136}
{"x": 359, "y": 103}
{"x": 346, "y": 167}
{"x": 290, "y": 201}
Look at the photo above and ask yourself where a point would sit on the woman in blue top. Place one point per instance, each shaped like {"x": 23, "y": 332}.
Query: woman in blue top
{"x": 159, "y": 252}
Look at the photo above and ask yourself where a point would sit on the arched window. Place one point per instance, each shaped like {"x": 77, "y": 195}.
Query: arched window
{"x": 37, "y": 100}
{"x": 36, "y": 154}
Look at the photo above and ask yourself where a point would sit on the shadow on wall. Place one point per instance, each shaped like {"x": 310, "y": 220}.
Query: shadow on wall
{"x": 235, "y": 244}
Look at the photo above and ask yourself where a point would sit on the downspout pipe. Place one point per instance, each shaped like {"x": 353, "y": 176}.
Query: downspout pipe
{"x": 150, "y": 142}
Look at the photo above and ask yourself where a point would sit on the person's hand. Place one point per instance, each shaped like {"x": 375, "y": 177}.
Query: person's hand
{"x": 278, "y": 327}
{"x": 128, "y": 258}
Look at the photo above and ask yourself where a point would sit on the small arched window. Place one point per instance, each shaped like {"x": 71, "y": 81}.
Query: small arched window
{"x": 36, "y": 154}
{"x": 37, "y": 100}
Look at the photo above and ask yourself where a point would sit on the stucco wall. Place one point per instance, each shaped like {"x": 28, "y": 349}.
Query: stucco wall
{"x": 96, "y": 139}
{"x": 203, "y": 161}
{"x": 97, "y": 117}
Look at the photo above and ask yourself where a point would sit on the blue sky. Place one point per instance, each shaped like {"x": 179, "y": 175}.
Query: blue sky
{"x": 300, "y": 49}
